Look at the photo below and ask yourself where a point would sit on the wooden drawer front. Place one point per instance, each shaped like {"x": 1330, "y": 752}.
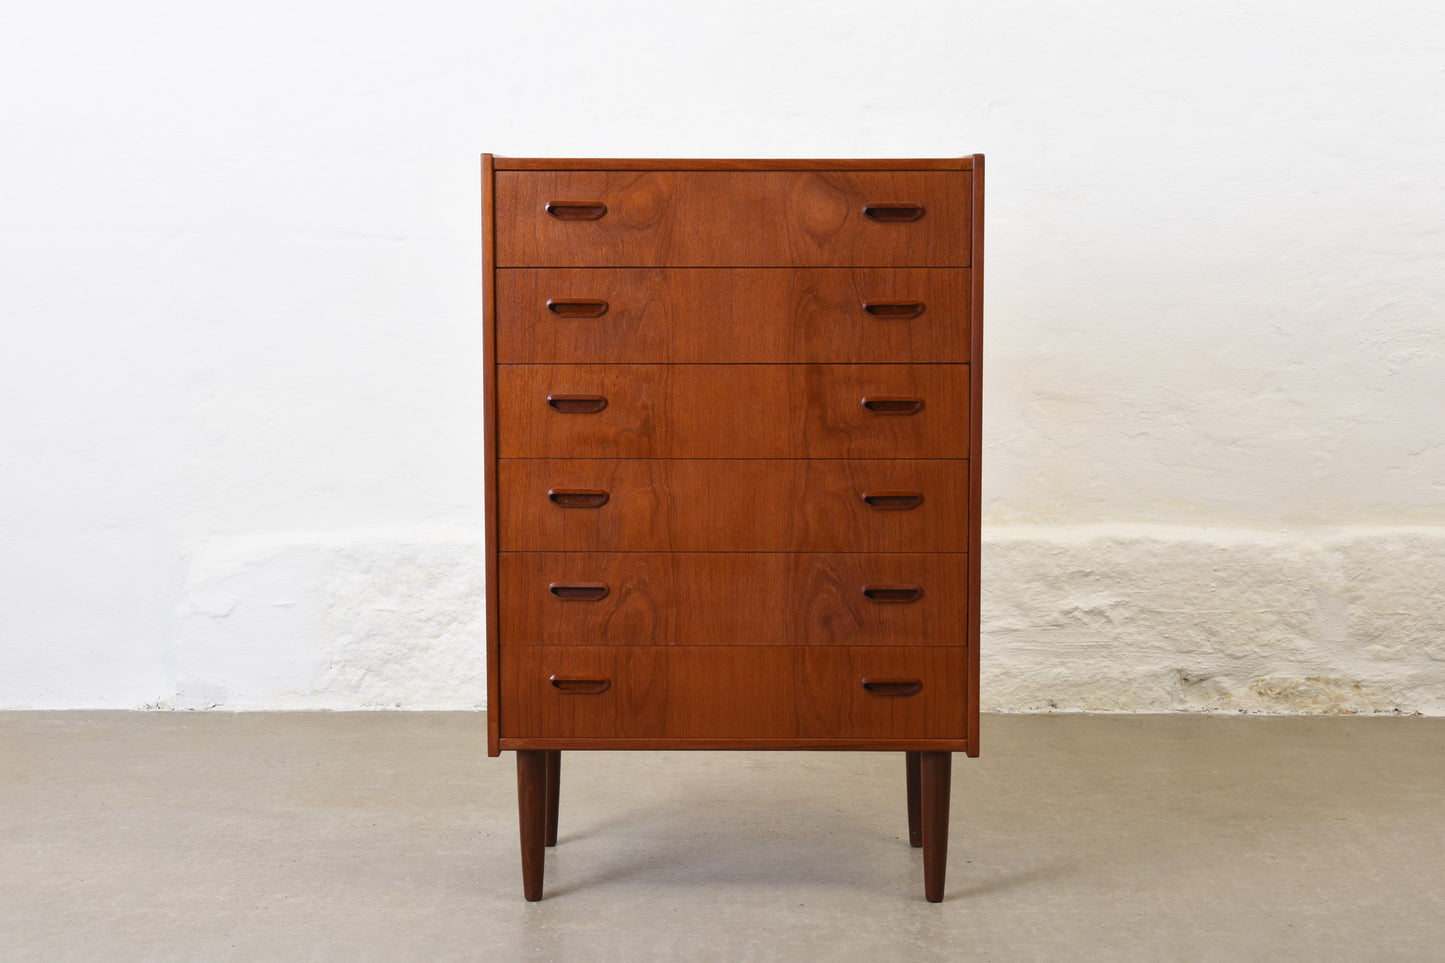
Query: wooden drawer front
{"x": 732, "y": 505}
{"x": 711, "y": 219}
{"x": 740, "y": 411}
{"x": 732, "y": 692}
{"x": 732, "y": 598}
{"x": 703, "y": 315}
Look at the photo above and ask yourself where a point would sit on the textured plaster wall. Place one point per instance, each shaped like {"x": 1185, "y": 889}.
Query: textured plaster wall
{"x": 240, "y": 445}
{"x": 1156, "y": 618}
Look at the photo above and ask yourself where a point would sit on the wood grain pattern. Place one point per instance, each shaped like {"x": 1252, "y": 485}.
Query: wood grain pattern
{"x": 738, "y": 315}
{"x": 733, "y": 425}
{"x": 734, "y": 692}
{"x": 737, "y": 411}
{"x": 732, "y": 598}
{"x": 749, "y": 219}
{"x": 729, "y": 164}
{"x": 732, "y": 505}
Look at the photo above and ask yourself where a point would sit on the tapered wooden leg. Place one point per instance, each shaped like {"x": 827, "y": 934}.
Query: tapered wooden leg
{"x": 915, "y": 832}
{"x": 554, "y": 785}
{"x": 532, "y": 817}
{"x": 935, "y": 771}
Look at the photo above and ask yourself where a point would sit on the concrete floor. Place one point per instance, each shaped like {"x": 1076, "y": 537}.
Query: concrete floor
{"x": 390, "y": 836}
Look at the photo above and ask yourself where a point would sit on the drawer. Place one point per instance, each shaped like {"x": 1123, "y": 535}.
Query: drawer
{"x": 737, "y": 505}
{"x": 732, "y": 598}
{"x": 728, "y": 410}
{"x": 719, "y": 315}
{"x": 747, "y": 219}
{"x": 733, "y": 692}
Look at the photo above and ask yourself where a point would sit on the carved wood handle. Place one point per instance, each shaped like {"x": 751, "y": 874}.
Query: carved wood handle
{"x": 893, "y": 405}
{"x": 893, "y": 593}
{"x": 577, "y": 307}
{"x": 576, "y": 210}
{"x": 578, "y": 591}
{"x": 893, "y": 501}
{"x": 892, "y": 687}
{"x": 893, "y": 310}
{"x": 576, "y": 404}
{"x": 580, "y": 685}
{"x": 893, "y": 213}
{"x": 577, "y": 497}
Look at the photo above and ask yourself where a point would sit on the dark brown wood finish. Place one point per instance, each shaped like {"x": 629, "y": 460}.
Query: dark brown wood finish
{"x": 732, "y": 411}
{"x": 489, "y": 455}
{"x": 975, "y": 520}
{"x": 554, "y": 793}
{"x": 733, "y": 427}
{"x": 733, "y": 505}
{"x": 736, "y": 315}
{"x": 730, "y": 164}
{"x": 935, "y": 781}
{"x": 532, "y": 819}
{"x": 775, "y": 693}
{"x": 713, "y": 598}
{"x": 748, "y": 219}
{"x": 708, "y": 744}
{"x": 915, "y": 804}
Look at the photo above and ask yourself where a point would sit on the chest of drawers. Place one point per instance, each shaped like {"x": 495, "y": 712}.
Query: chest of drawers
{"x": 732, "y": 445}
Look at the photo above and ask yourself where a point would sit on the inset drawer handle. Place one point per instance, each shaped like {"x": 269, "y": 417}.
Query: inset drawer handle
{"x": 893, "y": 501}
{"x": 893, "y": 213}
{"x": 577, "y": 497}
{"x": 892, "y": 687}
{"x": 893, "y": 405}
{"x": 576, "y": 210}
{"x": 578, "y": 591}
{"x": 576, "y": 308}
{"x": 893, "y": 593}
{"x": 893, "y": 310}
{"x": 577, "y": 404}
{"x": 575, "y": 685}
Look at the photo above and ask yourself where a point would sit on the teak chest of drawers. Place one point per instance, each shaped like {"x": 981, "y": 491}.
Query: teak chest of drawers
{"x": 732, "y": 445}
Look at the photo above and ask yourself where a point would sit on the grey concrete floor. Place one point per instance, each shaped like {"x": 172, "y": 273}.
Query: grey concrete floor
{"x": 391, "y": 836}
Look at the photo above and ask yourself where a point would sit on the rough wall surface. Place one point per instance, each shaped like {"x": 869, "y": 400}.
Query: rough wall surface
{"x": 1154, "y": 619}
{"x": 240, "y": 438}
{"x": 314, "y": 622}
{"x": 1108, "y": 618}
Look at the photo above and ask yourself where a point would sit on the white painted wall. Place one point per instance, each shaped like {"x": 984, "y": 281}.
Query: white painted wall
{"x": 240, "y": 441}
